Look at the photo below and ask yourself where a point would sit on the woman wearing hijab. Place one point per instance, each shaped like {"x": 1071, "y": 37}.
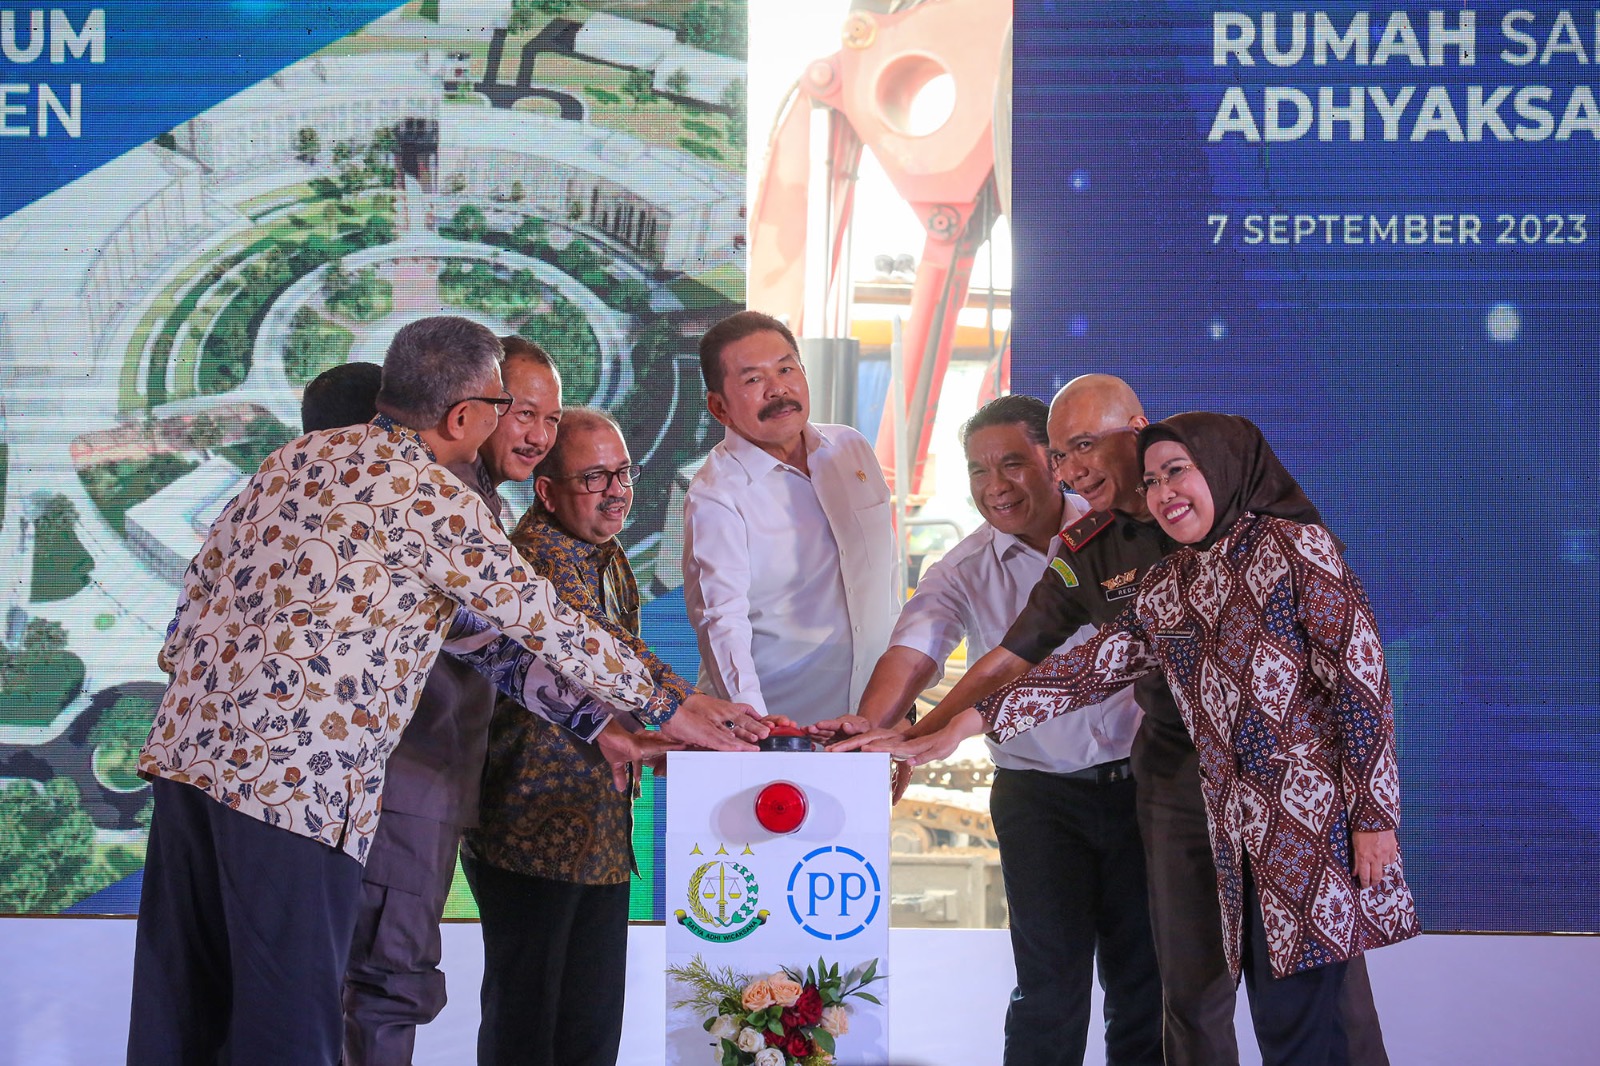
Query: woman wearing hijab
{"x": 1272, "y": 651}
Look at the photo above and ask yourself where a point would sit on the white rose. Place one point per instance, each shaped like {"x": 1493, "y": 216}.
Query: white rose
{"x": 726, "y": 1027}
{"x": 750, "y": 1040}
{"x": 769, "y": 1056}
{"x": 835, "y": 1020}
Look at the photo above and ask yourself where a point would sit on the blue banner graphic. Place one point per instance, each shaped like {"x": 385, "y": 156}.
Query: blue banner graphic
{"x": 1376, "y": 231}
{"x": 82, "y": 83}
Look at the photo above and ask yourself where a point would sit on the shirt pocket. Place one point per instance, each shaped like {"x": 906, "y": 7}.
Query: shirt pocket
{"x": 874, "y": 523}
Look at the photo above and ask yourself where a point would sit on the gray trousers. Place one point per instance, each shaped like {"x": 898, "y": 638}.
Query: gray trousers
{"x": 393, "y": 982}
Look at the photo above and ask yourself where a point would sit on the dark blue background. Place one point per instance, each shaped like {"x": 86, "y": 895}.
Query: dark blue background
{"x": 1463, "y": 472}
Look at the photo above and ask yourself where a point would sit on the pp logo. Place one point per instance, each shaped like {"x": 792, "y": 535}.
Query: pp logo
{"x": 834, "y": 893}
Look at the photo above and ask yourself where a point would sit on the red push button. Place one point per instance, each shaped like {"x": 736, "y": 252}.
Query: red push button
{"x": 781, "y": 807}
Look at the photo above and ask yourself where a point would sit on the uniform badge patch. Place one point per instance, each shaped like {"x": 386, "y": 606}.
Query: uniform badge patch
{"x": 1064, "y": 572}
{"x": 1122, "y": 586}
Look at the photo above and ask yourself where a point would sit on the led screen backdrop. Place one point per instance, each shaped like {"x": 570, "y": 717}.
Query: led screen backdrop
{"x": 1375, "y": 229}
{"x": 210, "y": 203}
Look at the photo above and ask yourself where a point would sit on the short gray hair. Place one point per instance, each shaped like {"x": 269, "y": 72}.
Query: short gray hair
{"x": 433, "y": 364}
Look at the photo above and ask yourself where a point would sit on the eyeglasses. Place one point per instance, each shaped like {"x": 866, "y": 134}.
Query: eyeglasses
{"x": 501, "y": 403}
{"x": 600, "y": 480}
{"x": 1084, "y": 444}
{"x": 1175, "y": 471}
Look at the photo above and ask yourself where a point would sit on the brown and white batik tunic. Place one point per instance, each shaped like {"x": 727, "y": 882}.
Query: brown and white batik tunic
{"x": 1272, "y": 652}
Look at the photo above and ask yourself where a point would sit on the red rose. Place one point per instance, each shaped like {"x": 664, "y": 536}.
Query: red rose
{"x": 773, "y": 1039}
{"x": 809, "y": 1006}
{"x": 796, "y": 1046}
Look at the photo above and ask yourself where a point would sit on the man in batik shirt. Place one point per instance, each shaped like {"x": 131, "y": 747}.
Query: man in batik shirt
{"x": 550, "y": 861}
{"x": 308, "y": 623}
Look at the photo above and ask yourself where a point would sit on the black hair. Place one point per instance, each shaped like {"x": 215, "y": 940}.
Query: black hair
{"x": 346, "y": 395}
{"x": 734, "y": 328}
{"x": 1032, "y": 414}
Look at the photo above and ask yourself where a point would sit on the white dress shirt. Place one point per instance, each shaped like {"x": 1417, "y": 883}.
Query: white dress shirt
{"x": 977, "y": 590}
{"x": 790, "y": 580}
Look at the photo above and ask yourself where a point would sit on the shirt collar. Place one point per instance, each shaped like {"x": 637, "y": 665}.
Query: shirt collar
{"x": 389, "y": 425}
{"x": 548, "y": 527}
{"x": 1003, "y": 544}
{"x": 758, "y": 462}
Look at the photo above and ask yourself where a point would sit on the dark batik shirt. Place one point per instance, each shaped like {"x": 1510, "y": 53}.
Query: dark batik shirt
{"x": 1096, "y": 574}
{"x": 548, "y": 807}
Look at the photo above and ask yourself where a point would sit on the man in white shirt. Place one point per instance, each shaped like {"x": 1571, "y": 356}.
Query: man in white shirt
{"x": 789, "y": 557}
{"x": 1063, "y": 798}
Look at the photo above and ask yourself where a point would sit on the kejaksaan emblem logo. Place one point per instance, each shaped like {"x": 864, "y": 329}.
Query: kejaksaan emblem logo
{"x": 723, "y": 896}
{"x": 834, "y": 893}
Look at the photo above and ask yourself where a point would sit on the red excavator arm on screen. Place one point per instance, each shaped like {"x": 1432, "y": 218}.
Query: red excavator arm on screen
{"x": 947, "y": 175}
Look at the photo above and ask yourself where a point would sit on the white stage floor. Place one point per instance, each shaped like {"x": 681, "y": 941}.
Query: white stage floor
{"x": 1445, "y": 1000}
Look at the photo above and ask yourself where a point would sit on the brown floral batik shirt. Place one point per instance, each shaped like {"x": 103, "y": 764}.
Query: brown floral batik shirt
{"x": 313, "y": 613}
{"x": 548, "y": 807}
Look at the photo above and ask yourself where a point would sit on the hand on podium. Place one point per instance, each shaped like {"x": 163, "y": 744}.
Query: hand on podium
{"x": 922, "y": 743}
{"x": 624, "y": 750}
{"x": 706, "y": 722}
{"x": 846, "y": 725}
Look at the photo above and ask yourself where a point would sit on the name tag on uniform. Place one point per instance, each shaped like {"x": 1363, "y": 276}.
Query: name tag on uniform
{"x": 1122, "y": 586}
{"x": 1175, "y": 634}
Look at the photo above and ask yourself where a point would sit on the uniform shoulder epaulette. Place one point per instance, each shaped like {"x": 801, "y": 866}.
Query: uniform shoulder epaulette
{"x": 1086, "y": 529}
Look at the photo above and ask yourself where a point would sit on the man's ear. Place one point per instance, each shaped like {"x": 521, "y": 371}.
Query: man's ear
{"x": 1138, "y": 421}
{"x": 541, "y": 488}
{"x": 453, "y": 426}
{"x": 717, "y": 406}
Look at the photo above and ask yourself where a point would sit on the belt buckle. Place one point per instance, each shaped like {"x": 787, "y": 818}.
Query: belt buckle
{"x": 1111, "y": 773}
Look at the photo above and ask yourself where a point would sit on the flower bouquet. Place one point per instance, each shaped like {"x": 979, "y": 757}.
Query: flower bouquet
{"x": 786, "y": 1019}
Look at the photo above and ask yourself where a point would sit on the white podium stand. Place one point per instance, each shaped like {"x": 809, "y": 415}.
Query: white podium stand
{"x": 755, "y": 899}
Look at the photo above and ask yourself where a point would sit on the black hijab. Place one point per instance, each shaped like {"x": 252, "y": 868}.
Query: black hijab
{"x": 1239, "y": 467}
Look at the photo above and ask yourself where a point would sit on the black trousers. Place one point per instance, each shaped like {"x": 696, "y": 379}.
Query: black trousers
{"x": 1296, "y": 1018}
{"x": 555, "y": 961}
{"x": 1074, "y": 873}
{"x": 242, "y": 938}
{"x": 1197, "y": 990}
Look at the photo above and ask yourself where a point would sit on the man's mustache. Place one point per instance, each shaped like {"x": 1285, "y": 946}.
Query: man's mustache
{"x": 776, "y": 408}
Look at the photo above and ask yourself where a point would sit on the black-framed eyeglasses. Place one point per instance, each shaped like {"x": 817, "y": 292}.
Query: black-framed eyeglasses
{"x": 600, "y": 480}
{"x": 501, "y": 403}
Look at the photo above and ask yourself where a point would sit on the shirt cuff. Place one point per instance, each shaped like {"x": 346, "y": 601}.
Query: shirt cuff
{"x": 468, "y": 632}
{"x": 753, "y": 700}
{"x": 659, "y": 708}
{"x": 588, "y": 719}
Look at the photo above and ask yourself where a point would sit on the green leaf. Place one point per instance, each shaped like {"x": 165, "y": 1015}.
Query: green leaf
{"x": 775, "y": 1026}
{"x": 730, "y": 1053}
{"x": 708, "y": 1023}
{"x": 869, "y": 997}
{"x": 872, "y": 971}
{"x": 823, "y": 1038}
